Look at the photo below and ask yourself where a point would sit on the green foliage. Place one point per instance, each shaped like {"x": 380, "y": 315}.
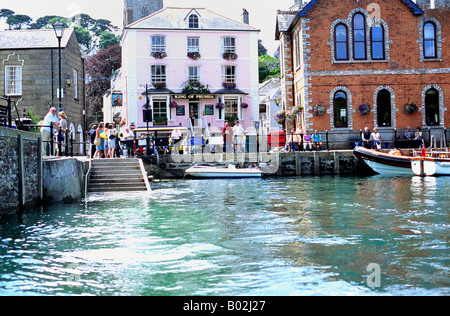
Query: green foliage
{"x": 269, "y": 67}
{"x": 91, "y": 33}
{"x": 108, "y": 39}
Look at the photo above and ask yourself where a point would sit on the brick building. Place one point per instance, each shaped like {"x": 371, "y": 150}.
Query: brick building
{"x": 384, "y": 54}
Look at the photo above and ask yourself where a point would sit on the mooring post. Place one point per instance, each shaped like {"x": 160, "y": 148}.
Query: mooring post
{"x": 20, "y": 171}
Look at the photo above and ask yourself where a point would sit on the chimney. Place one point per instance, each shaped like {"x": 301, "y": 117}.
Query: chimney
{"x": 129, "y": 16}
{"x": 245, "y": 18}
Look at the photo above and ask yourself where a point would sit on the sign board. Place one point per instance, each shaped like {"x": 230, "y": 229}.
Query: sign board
{"x": 117, "y": 99}
{"x": 194, "y": 96}
{"x": 209, "y": 109}
{"x": 132, "y": 126}
{"x": 181, "y": 110}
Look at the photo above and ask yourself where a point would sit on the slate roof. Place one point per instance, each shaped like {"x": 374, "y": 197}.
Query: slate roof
{"x": 175, "y": 18}
{"x": 26, "y": 39}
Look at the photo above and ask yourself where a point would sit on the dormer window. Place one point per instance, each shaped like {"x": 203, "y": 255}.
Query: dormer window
{"x": 193, "y": 21}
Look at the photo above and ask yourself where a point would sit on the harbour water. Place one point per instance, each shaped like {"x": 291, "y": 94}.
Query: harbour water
{"x": 277, "y": 236}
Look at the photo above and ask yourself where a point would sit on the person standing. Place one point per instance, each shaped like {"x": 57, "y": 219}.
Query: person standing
{"x": 227, "y": 136}
{"x": 60, "y": 133}
{"x": 365, "y": 138}
{"x": 99, "y": 139}
{"x": 238, "y": 133}
{"x": 111, "y": 134}
{"x": 91, "y": 135}
{"x": 49, "y": 119}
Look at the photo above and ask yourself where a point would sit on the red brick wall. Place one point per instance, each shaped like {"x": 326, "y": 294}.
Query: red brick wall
{"x": 404, "y": 55}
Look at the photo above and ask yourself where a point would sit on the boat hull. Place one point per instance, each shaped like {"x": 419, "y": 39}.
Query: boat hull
{"x": 385, "y": 164}
{"x": 222, "y": 173}
{"x": 425, "y": 166}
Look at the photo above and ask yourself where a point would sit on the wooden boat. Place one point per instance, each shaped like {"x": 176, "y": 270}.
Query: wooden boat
{"x": 220, "y": 172}
{"x": 392, "y": 163}
{"x": 435, "y": 164}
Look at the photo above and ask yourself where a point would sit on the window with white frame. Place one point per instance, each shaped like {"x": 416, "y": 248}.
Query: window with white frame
{"x": 229, "y": 74}
{"x": 158, "y": 44}
{"x": 75, "y": 83}
{"x": 193, "y": 45}
{"x": 158, "y": 74}
{"x": 13, "y": 80}
{"x": 193, "y": 21}
{"x": 194, "y": 74}
{"x": 231, "y": 109}
{"x": 228, "y": 44}
{"x": 159, "y": 109}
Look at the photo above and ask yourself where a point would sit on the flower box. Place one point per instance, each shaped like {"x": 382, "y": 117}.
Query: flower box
{"x": 194, "y": 55}
{"x": 159, "y": 85}
{"x": 229, "y": 85}
{"x": 230, "y": 56}
{"x": 159, "y": 55}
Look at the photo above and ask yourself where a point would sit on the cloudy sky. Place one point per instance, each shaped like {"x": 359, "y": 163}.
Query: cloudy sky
{"x": 262, "y": 12}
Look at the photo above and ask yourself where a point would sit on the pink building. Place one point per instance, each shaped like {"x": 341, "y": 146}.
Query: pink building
{"x": 196, "y": 64}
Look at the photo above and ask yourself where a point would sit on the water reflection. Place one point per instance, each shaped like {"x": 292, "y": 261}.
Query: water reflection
{"x": 291, "y": 236}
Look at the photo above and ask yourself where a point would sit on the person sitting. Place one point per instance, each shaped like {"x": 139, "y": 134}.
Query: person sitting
{"x": 289, "y": 140}
{"x": 317, "y": 140}
{"x": 307, "y": 140}
{"x": 408, "y": 134}
{"x": 418, "y": 134}
{"x": 365, "y": 138}
{"x": 375, "y": 139}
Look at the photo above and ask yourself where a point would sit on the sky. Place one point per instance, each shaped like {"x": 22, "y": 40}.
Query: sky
{"x": 262, "y": 12}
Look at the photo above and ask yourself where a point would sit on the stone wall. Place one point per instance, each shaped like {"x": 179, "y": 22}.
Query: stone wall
{"x": 20, "y": 165}
{"x": 342, "y": 162}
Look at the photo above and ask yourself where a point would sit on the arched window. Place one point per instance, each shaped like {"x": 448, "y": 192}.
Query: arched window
{"x": 429, "y": 40}
{"x": 193, "y": 21}
{"x": 340, "y": 109}
{"x": 359, "y": 37}
{"x": 384, "y": 108}
{"x": 377, "y": 41}
{"x": 432, "y": 107}
{"x": 144, "y": 11}
{"x": 341, "y": 42}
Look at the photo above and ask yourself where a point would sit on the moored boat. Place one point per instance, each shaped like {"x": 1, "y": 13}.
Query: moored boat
{"x": 432, "y": 166}
{"x": 392, "y": 163}
{"x": 220, "y": 172}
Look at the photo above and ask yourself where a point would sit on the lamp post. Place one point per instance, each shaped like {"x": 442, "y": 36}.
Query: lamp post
{"x": 147, "y": 117}
{"x": 58, "y": 27}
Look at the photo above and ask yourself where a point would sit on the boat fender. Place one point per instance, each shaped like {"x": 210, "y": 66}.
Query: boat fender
{"x": 395, "y": 152}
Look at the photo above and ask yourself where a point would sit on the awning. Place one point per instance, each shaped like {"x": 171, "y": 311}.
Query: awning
{"x": 158, "y": 91}
{"x": 230, "y": 91}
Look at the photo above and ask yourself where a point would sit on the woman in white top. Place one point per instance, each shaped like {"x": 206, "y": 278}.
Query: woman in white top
{"x": 375, "y": 139}
{"x": 60, "y": 136}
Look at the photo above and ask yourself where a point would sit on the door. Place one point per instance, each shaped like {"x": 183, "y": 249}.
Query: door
{"x": 194, "y": 113}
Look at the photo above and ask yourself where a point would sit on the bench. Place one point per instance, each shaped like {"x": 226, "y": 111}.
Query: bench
{"x": 408, "y": 143}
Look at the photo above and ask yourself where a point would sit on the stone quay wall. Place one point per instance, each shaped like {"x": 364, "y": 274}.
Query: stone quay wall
{"x": 314, "y": 163}
{"x": 20, "y": 169}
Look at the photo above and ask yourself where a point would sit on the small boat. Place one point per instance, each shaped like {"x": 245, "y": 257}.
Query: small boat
{"x": 432, "y": 166}
{"x": 221, "y": 172}
{"x": 392, "y": 163}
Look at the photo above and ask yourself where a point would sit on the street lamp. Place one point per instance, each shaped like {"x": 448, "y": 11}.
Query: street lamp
{"x": 58, "y": 27}
{"x": 147, "y": 117}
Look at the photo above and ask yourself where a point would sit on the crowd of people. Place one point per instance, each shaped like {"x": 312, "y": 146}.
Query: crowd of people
{"x": 373, "y": 140}
{"x": 301, "y": 137}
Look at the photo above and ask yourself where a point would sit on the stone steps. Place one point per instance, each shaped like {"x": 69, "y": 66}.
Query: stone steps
{"x": 116, "y": 175}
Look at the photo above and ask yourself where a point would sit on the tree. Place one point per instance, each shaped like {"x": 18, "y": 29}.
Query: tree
{"x": 261, "y": 49}
{"x": 108, "y": 39}
{"x": 18, "y": 21}
{"x": 269, "y": 67}
{"x": 4, "y": 13}
{"x": 100, "y": 67}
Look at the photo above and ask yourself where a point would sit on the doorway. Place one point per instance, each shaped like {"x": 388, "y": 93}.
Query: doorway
{"x": 194, "y": 113}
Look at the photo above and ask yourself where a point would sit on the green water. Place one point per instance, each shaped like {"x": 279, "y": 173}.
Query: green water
{"x": 281, "y": 236}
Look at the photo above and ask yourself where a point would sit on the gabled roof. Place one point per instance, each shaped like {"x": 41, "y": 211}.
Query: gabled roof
{"x": 414, "y": 7}
{"x": 174, "y": 19}
{"x": 26, "y": 39}
{"x": 287, "y": 19}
